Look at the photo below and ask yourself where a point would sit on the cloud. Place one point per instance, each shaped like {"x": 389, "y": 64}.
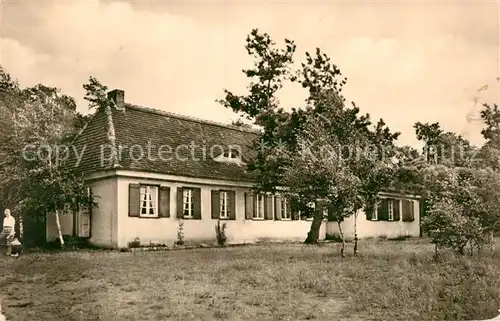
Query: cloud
{"x": 405, "y": 62}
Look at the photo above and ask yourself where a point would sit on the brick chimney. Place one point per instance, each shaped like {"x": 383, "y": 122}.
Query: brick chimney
{"x": 118, "y": 96}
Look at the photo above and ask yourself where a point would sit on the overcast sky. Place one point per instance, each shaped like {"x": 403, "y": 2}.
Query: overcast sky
{"x": 405, "y": 62}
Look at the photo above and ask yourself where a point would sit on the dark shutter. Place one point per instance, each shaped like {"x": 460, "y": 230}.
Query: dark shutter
{"x": 197, "y": 203}
{"x": 277, "y": 207}
{"x": 91, "y": 210}
{"x": 164, "y": 201}
{"x": 268, "y": 207}
{"x": 412, "y": 211}
{"x": 396, "y": 213}
{"x": 134, "y": 200}
{"x": 383, "y": 210}
{"x": 215, "y": 204}
{"x": 232, "y": 204}
{"x": 180, "y": 207}
{"x": 408, "y": 215}
{"x": 294, "y": 208}
{"x": 369, "y": 213}
{"x": 249, "y": 206}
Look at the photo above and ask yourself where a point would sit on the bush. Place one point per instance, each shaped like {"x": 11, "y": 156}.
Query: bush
{"x": 180, "y": 234}
{"x": 333, "y": 237}
{"x": 135, "y": 243}
{"x": 220, "y": 233}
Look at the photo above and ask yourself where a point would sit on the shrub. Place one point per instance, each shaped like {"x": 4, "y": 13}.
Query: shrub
{"x": 220, "y": 233}
{"x": 180, "y": 234}
{"x": 334, "y": 237}
{"x": 135, "y": 243}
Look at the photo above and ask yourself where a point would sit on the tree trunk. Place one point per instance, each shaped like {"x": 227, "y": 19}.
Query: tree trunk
{"x": 436, "y": 251}
{"x": 492, "y": 241}
{"x": 313, "y": 235}
{"x": 342, "y": 249}
{"x": 355, "y": 233}
{"x": 59, "y": 231}
{"x": 74, "y": 231}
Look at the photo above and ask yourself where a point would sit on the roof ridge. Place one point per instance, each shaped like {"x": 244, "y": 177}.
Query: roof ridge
{"x": 190, "y": 118}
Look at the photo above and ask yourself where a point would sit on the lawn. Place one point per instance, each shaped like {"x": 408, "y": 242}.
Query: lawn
{"x": 390, "y": 280}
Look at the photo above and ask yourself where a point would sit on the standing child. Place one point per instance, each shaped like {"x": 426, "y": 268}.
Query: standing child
{"x": 8, "y": 231}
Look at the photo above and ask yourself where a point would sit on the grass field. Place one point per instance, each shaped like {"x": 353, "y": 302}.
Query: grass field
{"x": 389, "y": 281}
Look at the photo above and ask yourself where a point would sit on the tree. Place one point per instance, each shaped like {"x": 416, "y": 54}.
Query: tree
{"x": 284, "y": 133}
{"x": 41, "y": 123}
{"x": 464, "y": 206}
{"x": 445, "y": 147}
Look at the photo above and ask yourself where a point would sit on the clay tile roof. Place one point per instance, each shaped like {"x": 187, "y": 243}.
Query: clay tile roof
{"x": 158, "y": 134}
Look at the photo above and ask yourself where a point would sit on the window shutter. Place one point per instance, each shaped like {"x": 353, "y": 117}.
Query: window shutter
{"x": 91, "y": 210}
{"x": 408, "y": 215}
{"x": 215, "y": 204}
{"x": 134, "y": 200}
{"x": 396, "y": 213}
{"x": 232, "y": 204}
{"x": 412, "y": 211}
{"x": 180, "y": 207}
{"x": 164, "y": 202}
{"x": 197, "y": 203}
{"x": 277, "y": 207}
{"x": 268, "y": 207}
{"x": 249, "y": 206}
{"x": 383, "y": 210}
{"x": 294, "y": 208}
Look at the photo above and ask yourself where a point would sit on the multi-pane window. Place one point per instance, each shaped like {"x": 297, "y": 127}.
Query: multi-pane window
{"x": 390, "y": 210}
{"x": 232, "y": 153}
{"x": 149, "y": 201}
{"x": 224, "y": 205}
{"x": 259, "y": 206}
{"x": 286, "y": 212}
{"x": 188, "y": 203}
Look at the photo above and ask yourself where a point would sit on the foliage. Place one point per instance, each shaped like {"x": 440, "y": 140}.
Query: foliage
{"x": 220, "y": 233}
{"x": 41, "y": 123}
{"x": 135, "y": 243}
{"x": 445, "y": 147}
{"x": 180, "y": 234}
{"x": 464, "y": 206}
{"x": 329, "y": 183}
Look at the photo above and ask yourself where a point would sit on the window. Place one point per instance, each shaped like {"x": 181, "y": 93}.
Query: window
{"x": 388, "y": 209}
{"x": 188, "y": 202}
{"x": 259, "y": 207}
{"x": 232, "y": 154}
{"x": 149, "y": 201}
{"x": 390, "y": 212}
{"x": 286, "y": 213}
{"x": 224, "y": 205}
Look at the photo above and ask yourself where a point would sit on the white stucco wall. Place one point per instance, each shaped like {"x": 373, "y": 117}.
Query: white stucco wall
{"x": 164, "y": 230}
{"x": 112, "y": 227}
{"x": 66, "y": 221}
{"x": 389, "y": 229}
{"x": 103, "y": 219}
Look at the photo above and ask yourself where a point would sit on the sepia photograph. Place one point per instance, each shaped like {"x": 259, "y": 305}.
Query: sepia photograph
{"x": 249, "y": 160}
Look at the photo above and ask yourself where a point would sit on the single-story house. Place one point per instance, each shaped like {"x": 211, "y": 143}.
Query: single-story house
{"x": 150, "y": 170}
